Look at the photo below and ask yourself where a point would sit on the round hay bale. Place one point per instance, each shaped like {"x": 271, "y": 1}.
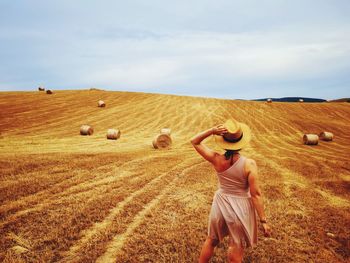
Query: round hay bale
{"x": 41, "y": 88}
{"x": 162, "y": 141}
{"x": 101, "y": 103}
{"x": 301, "y": 100}
{"x": 326, "y": 136}
{"x": 310, "y": 139}
{"x": 113, "y": 134}
{"x": 86, "y": 130}
{"x": 269, "y": 100}
{"x": 165, "y": 131}
{"x": 49, "y": 91}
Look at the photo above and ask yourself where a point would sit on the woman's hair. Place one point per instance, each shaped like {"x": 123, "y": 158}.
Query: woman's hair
{"x": 229, "y": 153}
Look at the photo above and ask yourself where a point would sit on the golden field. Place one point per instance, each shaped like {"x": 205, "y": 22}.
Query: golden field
{"x": 71, "y": 198}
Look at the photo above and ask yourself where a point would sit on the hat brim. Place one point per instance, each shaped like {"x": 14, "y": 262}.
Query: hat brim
{"x": 220, "y": 141}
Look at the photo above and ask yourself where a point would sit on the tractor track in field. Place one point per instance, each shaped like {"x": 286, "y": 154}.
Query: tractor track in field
{"x": 114, "y": 247}
{"x": 77, "y": 188}
{"x": 99, "y": 228}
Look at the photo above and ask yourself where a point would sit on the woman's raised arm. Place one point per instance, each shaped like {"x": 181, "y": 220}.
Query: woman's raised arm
{"x": 203, "y": 150}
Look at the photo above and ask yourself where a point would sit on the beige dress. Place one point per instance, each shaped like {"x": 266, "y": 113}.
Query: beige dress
{"x": 232, "y": 212}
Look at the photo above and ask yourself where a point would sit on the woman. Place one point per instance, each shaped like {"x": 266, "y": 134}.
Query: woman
{"x": 234, "y": 204}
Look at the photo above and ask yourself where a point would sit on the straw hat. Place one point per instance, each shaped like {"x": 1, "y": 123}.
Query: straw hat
{"x": 238, "y": 135}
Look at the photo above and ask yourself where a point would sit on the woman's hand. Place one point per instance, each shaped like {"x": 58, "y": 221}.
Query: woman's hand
{"x": 267, "y": 230}
{"x": 219, "y": 130}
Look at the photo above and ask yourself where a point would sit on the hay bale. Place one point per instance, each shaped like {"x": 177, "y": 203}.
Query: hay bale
{"x": 301, "y": 100}
{"x": 162, "y": 141}
{"x": 49, "y": 91}
{"x": 269, "y": 100}
{"x": 41, "y": 88}
{"x": 113, "y": 134}
{"x": 310, "y": 139}
{"x": 86, "y": 130}
{"x": 101, "y": 103}
{"x": 326, "y": 136}
{"x": 165, "y": 131}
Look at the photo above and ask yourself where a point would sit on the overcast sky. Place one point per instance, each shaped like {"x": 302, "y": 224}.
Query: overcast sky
{"x": 223, "y": 48}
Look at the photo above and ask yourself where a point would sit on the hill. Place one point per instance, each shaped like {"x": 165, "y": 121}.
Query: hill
{"x": 341, "y": 100}
{"x": 71, "y": 198}
{"x": 293, "y": 99}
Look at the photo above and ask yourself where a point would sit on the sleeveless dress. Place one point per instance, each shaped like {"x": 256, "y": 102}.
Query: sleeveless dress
{"x": 232, "y": 211}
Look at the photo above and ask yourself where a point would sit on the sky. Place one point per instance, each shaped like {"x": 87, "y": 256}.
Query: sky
{"x": 224, "y": 48}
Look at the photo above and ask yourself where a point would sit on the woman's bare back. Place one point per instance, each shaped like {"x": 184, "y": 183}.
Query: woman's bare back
{"x": 222, "y": 164}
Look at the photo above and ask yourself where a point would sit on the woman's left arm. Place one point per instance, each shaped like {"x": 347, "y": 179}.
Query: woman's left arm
{"x": 252, "y": 172}
{"x": 203, "y": 150}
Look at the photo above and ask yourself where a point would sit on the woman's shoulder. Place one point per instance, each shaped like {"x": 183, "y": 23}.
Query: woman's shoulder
{"x": 249, "y": 161}
{"x": 249, "y": 165}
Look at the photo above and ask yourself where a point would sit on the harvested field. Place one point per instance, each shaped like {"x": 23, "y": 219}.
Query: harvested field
{"x": 71, "y": 198}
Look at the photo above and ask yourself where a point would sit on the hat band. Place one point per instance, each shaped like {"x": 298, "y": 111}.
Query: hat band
{"x": 233, "y": 140}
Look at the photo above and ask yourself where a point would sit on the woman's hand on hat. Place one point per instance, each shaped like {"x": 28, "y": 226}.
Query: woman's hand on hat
{"x": 219, "y": 130}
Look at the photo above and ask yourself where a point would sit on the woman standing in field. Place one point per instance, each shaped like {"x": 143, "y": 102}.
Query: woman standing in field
{"x": 234, "y": 204}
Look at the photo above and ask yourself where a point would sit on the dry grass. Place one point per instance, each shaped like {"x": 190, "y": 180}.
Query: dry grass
{"x": 71, "y": 198}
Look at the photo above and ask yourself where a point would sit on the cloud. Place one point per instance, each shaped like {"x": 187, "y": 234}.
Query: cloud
{"x": 192, "y": 57}
{"x": 138, "y": 75}
{"x": 243, "y": 50}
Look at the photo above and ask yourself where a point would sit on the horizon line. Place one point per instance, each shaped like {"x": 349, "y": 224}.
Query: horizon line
{"x": 173, "y": 94}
